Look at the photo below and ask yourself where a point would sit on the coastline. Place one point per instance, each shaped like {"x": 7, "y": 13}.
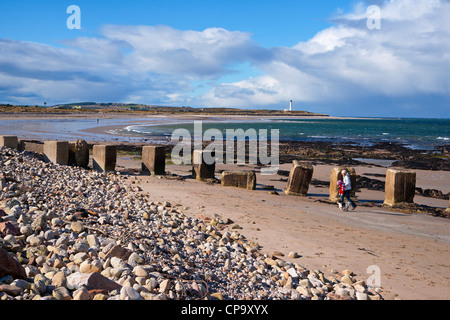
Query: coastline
{"x": 411, "y": 250}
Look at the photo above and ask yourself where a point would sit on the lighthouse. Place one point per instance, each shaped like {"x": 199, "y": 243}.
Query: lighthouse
{"x": 290, "y": 105}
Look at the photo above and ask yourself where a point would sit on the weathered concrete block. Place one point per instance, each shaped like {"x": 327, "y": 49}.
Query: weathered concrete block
{"x": 337, "y": 175}
{"x": 154, "y": 159}
{"x": 31, "y": 146}
{"x": 400, "y": 187}
{"x": 79, "y": 153}
{"x": 246, "y": 180}
{"x": 56, "y": 152}
{"x": 200, "y": 169}
{"x": 299, "y": 179}
{"x": 9, "y": 142}
{"x": 104, "y": 157}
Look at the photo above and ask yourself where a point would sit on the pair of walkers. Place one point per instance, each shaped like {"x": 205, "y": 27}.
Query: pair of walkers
{"x": 345, "y": 186}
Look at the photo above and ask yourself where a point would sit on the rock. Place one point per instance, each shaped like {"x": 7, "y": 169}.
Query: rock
{"x": 77, "y": 226}
{"x": 81, "y": 294}
{"x": 10, "y": 266}
{"x": 165, "y": 285}
{"x": 61, "y": 293}
{"x": 91, "y": 281}
{"x": 293, "y": 255}
{"x": 59, "y": 279}
{"x": 93, "y": 241}
{"x": 8, "y": 228}
{"x": 140, "y": 272}
{"x": 129, "y": 293}
{"x": 347, "y": 279}
{"x": 88, "y": 268}
{"x": 361, "y": 296}
{"x": 119, "y": 252}
{"x": 11, "y": 289}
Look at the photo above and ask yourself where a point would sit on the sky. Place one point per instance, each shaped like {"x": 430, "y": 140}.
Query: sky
{"x": 367, "y": 58}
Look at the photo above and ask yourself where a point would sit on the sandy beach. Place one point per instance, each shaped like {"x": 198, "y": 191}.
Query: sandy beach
{"x": 410, "y": 249}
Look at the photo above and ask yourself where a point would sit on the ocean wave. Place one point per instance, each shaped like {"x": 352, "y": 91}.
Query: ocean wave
{"x": 443, "y": 138}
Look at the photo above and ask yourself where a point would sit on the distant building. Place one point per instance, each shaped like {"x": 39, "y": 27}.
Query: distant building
{"x": 290, "y": 106}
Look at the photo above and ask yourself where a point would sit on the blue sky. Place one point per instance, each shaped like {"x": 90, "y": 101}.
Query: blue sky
{"x": 247, "y": 54}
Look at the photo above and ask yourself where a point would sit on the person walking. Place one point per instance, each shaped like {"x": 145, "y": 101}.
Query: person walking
{"x": 347, "y": 188}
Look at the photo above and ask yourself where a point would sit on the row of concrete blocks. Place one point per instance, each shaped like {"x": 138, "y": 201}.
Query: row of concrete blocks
{"x": 399, "y": 186}
{"x": 104, "y": 157}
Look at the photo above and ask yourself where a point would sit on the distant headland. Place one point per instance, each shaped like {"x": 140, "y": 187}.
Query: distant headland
{"x": 94, "y": 107}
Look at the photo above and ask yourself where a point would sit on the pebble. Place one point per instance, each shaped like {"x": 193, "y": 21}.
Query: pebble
{"x": 81, "y": 228}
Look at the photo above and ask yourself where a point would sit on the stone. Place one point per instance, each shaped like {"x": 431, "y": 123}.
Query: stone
{"x": 59, "y": 279}
{"x": 119, "y": 252}
{"x": 56, "y": 152}
{"x": 154, "y": 160}
{"x": 140, "y": 272}
{"x": 347, "y": 279}
{"x": 165, "y": 285}
{"x": 10, "y": 266}
{"x": 104, "y": 157}
{"x": 9, "y": 142}
{"x": 361, "y": 296}
{"x": 77, "y": 227}
{"x": 78, "y": 153}
{"x": 91, "y": 281}
{"x": 293, "y": 255}
{"x": 61, "y": 293}
{"x": 337, "y": 175}
{"x": 8, "y": 228}
{"x": 129, "y": 293}
{"x": 11, "y": 289}
{"x": 88, "y": 268}
{"x": 202, "y": 169}
{"x": 400, "y": 187}
{"x": 246, "y": 180}
{"x": 81, "y": 294}
{"x": 93, "y": 240}
{"x": 299, "y": 178}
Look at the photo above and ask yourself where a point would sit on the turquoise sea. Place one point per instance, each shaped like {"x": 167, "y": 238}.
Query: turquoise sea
{"x": 413, "y": 133}
{"x": 424, "y": 134}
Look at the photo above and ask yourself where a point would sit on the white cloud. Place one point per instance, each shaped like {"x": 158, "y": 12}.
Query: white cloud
{"x": 407, "y": 57}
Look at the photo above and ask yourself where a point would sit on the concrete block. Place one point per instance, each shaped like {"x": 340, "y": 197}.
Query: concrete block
{"x": 79, "y": 153}
{"x": 104, "y": 157}
{"x": 200, "y": 169}
{"x": 246, "y": 180}
{"x": 9, "y": 142}
{"x": 337, "y": 175}
{"x": 31, "y": 146}
{"x": 56, "y": 152}
{"x": 154, "y": 160}
{"x": 400, "y": 187}
{"x": 299, "y": 179}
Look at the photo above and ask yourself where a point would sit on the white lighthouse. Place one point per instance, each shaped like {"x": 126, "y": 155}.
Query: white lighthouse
{"x": 290, "y": 105}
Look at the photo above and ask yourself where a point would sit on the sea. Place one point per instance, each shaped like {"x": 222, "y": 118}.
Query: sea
{"x": 413, "y": 133}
